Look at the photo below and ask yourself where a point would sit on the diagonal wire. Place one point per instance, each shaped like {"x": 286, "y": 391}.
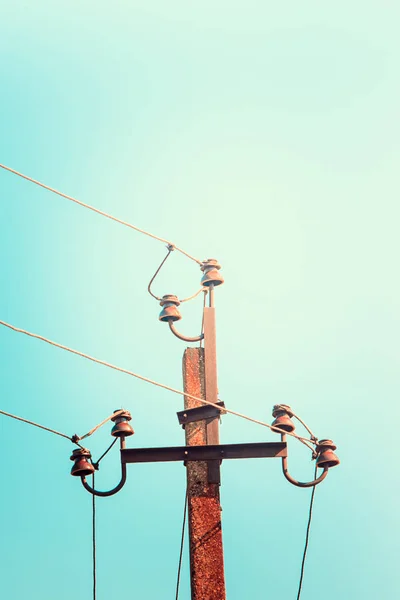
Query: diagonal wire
{"x": 170, "y": 249}
{"x": 304, "y": 441}
{"x": 97, "y": 462}
{"x": 73, "y": 439}
{"x": 100, "y": 212}
{"x": 178, "y": 578}
{"x": 92, "y": 431}
{"x": 64, "y": 435}
{"x": 303, "y": 562}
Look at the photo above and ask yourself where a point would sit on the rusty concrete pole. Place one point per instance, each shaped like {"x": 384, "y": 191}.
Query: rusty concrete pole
{"x": 204, "y": 509}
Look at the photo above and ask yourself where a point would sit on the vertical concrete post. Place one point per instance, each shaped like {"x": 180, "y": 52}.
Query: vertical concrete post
{"x": 204, "y": 510}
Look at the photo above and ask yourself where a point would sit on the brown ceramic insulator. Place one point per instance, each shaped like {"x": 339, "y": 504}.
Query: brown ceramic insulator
{"x": 81, "y": 466}
{"x": 326, "y": 456}
{"x": 170, "y": 310}
{"x": 284, "y": 422}
{"x": 211, "y": 275}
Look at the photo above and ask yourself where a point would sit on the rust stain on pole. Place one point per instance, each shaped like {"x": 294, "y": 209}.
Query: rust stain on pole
{"x": 206, "y": 552}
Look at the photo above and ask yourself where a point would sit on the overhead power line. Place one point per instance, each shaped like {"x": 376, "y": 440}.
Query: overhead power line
{"x": 304, "y": 441}
{"x": 74, "y": 438}
{"x": 64, "y": 435}
{"x": 100, "y": 212}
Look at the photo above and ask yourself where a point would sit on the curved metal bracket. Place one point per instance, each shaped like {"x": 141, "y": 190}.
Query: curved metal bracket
{"x": 184, "y": 337}
{"x": 293, "y": 480}
{"x": 301, "y": 483}
{"x": 110, "y": 492}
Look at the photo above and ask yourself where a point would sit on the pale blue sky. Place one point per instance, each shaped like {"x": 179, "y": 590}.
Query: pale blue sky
{"x": 266, "y": 136}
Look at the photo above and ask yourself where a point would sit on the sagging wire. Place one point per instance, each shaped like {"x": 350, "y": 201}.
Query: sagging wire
{"x": 170, "y": 249}
{"x": 100, "y": 212}
{"x": 202, "y": 289}
{"x": 303, "y": 440}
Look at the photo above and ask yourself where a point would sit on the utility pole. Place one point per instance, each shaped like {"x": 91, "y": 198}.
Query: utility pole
{"x": 202, "y": 454}
{"x": 203, "y": 477}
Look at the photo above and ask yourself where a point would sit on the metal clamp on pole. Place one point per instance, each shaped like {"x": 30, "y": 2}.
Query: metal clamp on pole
{"x": 191, "y": 415}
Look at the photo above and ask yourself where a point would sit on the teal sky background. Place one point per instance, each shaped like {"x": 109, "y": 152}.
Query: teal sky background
{"x": 267, "y": 136}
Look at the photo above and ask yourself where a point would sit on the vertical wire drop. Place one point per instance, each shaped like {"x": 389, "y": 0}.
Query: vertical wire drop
{"x": 202, "y": 319}
{"x": 178, "y": 579}
{"x": 94, "y": 538}
{"x": 303, "y": 562}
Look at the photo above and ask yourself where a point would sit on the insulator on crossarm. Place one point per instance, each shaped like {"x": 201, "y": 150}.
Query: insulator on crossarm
{"x": 326, "y": 456}
{"x": 81, "y": 466}
{"x": 122, "y": 427}
{"x": 282, "y": 414}
{"x": 211, "y": 276}
{"x": 170, "y": 310}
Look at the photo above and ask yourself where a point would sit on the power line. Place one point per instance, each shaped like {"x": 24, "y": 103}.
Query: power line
{"x": 68, "y": 437}
{"x": 178, "y": 578}
{"x": 304, "y": 441}
{"x": 303, "y": 562}
{"x": 100, "y": 212}
{"x": 74, "y": 438}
